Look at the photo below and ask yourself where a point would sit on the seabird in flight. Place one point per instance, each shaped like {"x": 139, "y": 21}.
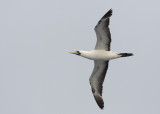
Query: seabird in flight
{"x": 101, "y": 56}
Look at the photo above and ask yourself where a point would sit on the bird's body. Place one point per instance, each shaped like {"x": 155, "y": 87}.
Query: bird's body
{"x": 101, "y": 56}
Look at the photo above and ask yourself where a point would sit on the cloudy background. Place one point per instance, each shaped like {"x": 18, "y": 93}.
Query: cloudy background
{"x": 38, "y": 76}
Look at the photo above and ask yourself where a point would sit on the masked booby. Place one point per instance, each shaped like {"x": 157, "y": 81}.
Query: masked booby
{"x": 101, "y": 56}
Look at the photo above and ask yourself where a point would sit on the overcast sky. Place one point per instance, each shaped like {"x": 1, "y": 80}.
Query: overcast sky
{"x": 38, "y": 76}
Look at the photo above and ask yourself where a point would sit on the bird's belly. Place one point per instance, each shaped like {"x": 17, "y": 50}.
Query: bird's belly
{"x": 100, "y": 57}
{"x": 103, "y": 55}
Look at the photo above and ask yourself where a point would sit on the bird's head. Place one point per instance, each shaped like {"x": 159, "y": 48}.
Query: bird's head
{"x": 75, "y": 52}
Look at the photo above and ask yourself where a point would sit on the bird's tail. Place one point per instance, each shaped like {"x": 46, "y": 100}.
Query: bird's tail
{"x": 126, "y": 54}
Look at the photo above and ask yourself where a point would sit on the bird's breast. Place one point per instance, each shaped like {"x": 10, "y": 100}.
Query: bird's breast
{"x": 101, "y": 55}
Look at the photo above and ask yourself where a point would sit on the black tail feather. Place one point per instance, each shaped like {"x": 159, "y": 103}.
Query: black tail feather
{"x": 126, "y": 54}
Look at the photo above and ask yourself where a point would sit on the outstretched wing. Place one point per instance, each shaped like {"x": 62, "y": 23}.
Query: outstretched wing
{"x": 96, "y": 80}
{"x": 103, "y": 32}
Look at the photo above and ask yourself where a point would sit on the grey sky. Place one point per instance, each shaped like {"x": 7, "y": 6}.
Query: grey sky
{"x": 38, "y": 76}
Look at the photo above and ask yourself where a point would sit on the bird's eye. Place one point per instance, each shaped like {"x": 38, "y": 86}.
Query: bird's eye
{"x": 78, "y": 53}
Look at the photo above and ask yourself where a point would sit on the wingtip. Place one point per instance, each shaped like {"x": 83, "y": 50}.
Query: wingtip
{"x": 108, "y": 14}
{"x": 99, "y": 100}
{"x": 111, "y": 10}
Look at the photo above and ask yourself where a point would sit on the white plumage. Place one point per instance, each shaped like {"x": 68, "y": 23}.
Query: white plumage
{"x": 101, "y": 56}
